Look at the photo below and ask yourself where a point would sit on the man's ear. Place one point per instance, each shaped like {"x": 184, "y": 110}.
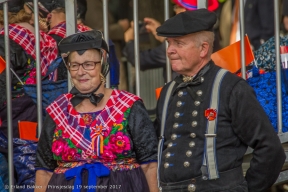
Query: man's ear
{"x": 204, "y": 49}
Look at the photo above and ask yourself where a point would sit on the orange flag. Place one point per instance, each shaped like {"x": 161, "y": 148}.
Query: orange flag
{"x": 28, "y": 130}
{"x": 230, "y": 57}
{"x": 157, "y": 92}
{"x": 2, "y": 64}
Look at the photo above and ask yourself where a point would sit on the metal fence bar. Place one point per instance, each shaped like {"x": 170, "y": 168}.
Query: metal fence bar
{"x": 201, "y": 4}
{"x": 136, "y": 46}
{"x": 106, "y": 34}
{"x": 168, "y": 67}
{"x": 71, "y": 27}
{"x": 9, "y": 96}
{"x": 38, "y": 68}
{"x": 242, "y": 40}
{"x": 278, "y": 66}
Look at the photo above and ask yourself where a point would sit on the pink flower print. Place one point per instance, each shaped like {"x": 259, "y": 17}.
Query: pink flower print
{"x": 30, "y": 80}
{"x": 70, "y": 154}
{"x": 33, "y": 73}
{"x": 58, "y": 146}
{"x": 32, "y": 77}
{"x": 120, "y": 119}
{"x": 106, "y": 131}
{"x": 119, "y": 142}
{"x": 65, "y": 135}
{"x": 108, "y": 154}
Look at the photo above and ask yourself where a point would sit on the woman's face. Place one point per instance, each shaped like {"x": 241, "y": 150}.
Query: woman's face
{"x": 28, "y": 11}
{"x": 85, "y": 80}
{"x": 56, "y": 17}
{"x": 42, "y": 21}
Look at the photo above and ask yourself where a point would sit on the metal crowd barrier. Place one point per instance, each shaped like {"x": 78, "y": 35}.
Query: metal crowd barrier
{"x": 71, "y": 28}
{"x": 9, "y": 98}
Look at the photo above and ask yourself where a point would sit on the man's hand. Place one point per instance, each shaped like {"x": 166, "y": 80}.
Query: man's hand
{"x": 151, "y": 26}
{"x": 129, "y": 33}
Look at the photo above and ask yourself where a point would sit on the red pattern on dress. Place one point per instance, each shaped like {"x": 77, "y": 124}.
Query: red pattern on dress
{"x": 26, "y": 39}
{"x": 61, "y": 110}
{"x": 60, "y": 29}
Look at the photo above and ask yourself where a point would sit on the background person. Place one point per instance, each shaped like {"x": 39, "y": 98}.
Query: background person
{"x": 156, "y": 57}
{"x": 211, "y": 160}
{"x": 23, "y": 63}
{"x": 105, "y": 131}
{"x": 56, "y": 20}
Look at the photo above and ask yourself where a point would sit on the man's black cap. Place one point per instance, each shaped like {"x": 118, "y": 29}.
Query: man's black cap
{"x": 188, "y": 22}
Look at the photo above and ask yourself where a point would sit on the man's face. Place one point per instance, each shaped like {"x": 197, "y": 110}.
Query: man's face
{"x": 184, "y": 54}
{"x": 285, "y": 22}
{"x": 55, "y": 17}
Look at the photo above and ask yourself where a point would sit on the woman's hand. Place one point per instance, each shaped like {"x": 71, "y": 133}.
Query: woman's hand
{"x": 42, "y": 179}
{"x": 150, "y": 171}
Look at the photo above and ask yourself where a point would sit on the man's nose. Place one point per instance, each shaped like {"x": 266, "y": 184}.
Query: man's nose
{"x": 170, "y": 50}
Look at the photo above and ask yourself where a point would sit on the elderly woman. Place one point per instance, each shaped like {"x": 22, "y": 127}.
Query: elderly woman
{"x": 95, "y": 137}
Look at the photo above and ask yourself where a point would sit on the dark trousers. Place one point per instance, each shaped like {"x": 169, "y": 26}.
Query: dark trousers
{"x": 228, "y": 181}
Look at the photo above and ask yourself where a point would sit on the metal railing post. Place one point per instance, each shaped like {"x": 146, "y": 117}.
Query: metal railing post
{"x": 201, "y": 4}
{"x": 168, "y": 67}
{"x": 278, "y": 67}
{"x": 242, "y": 40}
{"x": 136, "y": 46}
{"x": 71, "y": 26}
{"x": 38, "y": 69}
{"x": 9, "y": 97}
{"x": 106, "y": 34}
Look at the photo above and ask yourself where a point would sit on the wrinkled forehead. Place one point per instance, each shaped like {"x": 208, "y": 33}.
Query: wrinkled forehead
{"x": 181, "y": 38}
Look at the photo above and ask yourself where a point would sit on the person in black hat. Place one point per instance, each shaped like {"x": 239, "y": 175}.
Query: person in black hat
{"x": 207, "y": 117}
{"x": 23, "y": 71}
{"x": 22, "y": 52}
{"x": 95, "y": 137}
{"x": 156, "y": 57}
{"x": 56, "y": 21}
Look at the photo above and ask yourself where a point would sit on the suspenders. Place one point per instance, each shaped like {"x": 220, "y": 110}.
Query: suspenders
{"x": 209, "y": 167}
{"x": 163, "y": 121}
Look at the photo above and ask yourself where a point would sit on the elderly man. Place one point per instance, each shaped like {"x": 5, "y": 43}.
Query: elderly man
{"x": 207, "y": 117}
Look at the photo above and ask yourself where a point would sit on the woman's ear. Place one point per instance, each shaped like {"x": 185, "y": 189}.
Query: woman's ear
{"x": 204, "y": 49}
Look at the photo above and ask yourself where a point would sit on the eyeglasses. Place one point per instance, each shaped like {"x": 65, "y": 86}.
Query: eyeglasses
{"x": 88, "y": 65}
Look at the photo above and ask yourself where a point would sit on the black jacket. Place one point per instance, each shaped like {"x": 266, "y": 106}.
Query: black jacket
{"x": 241, "y": 122}
{"x": 23, "y": 108}
{"x": 19, "y": 61}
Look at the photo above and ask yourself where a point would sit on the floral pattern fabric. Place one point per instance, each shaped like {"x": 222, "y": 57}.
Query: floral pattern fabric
{"x": 265, "y": 56}
{"x": 24, "y": 160}
{"x": 105, "y": 135}
{"x": 266, "y": 92}
{"x": 116, "y": 142}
